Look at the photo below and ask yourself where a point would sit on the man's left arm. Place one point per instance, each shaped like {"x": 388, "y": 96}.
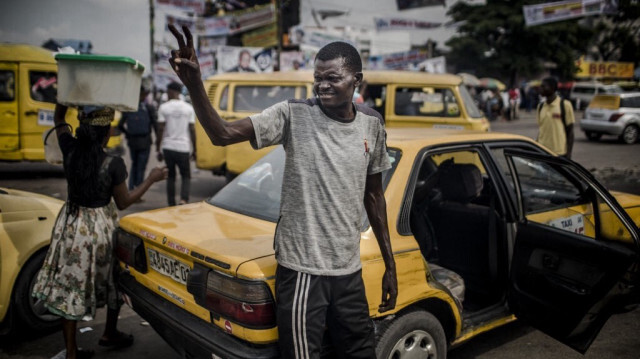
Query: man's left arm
{"x": 376, "y": 207}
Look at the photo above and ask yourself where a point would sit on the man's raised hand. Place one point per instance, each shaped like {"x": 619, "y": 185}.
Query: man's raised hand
{"x": 184, "y": 60}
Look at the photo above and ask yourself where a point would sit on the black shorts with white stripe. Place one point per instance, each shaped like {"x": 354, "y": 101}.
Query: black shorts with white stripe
{"x": 309, "y": 304}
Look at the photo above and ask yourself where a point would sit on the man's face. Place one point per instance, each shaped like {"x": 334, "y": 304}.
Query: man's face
{"x": 333, "y": 83}
{"x": 245, "y": 60}
{"x": 546, "y": 90}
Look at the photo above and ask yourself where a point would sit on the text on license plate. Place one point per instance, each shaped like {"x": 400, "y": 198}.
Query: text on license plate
{"x": 168, "y": 266}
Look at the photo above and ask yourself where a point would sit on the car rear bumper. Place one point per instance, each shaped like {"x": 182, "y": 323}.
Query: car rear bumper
{"x": 189, "y": 335}
{"x": 611, "y": 128}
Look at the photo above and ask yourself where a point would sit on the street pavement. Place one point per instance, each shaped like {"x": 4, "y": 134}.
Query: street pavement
{"x": 616, "y": 164}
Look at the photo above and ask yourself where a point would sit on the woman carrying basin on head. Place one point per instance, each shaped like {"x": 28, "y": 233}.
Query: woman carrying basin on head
{"x": 78, "y": 272}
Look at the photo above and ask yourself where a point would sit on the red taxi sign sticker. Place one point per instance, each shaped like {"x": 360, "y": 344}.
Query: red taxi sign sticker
{"x": 227, "y": 326}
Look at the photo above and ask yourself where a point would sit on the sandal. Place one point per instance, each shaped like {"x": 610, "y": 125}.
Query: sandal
{"x": 122, "y": 341}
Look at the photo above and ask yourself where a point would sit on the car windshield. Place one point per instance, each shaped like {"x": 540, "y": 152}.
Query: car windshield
{"x": 256, "y": 192}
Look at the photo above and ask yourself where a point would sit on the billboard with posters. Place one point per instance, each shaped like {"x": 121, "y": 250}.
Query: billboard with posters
{"x": 407, "y": 60}
{"x": 565, "y": 10}
{"x": 244, "y": 59}
{"x": 394, "y": 23}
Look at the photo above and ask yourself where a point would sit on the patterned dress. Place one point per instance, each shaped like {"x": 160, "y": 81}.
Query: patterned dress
{"x": 78, "y": 272}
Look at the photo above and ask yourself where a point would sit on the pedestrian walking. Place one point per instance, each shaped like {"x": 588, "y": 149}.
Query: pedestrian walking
{"x": 514, "y": 103}
{"x": 137, "y": 127}
{"x": 177, "y": 135}
{"x": 555, "y": 119}
{"x": 79, "y": 270}
{"x": 335, "y": 156}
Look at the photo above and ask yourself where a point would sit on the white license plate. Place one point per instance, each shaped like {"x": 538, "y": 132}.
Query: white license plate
{"x": 168, "y": 266}
{"x": 45, "y": 118}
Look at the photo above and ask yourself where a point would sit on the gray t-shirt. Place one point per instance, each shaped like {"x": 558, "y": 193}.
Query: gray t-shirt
{"x": 327, "y": 163}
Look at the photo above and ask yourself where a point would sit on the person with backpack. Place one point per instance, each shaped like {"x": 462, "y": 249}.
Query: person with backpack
{"x": 555, "y": 120}
{"x": 137, "y": 128}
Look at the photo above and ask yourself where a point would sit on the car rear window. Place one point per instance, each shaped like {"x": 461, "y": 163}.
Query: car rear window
{"x": 611, "y": 102}
{"x": 256, "y": 192}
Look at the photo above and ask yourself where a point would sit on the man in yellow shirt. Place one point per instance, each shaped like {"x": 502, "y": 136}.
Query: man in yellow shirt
{"x": 555, "y": 122}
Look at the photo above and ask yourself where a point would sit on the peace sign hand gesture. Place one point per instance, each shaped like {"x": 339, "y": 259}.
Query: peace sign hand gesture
{"x": 184, "y": 60}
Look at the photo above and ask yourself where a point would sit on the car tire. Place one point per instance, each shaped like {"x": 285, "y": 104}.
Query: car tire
{"x": 630, "y": 134}
{"x": 30, "y": 313}
{"x": 416, "y": 334}
{"x": 593, "y": 136}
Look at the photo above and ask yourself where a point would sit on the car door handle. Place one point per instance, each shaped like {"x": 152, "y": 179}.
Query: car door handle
{"x": 10, "y": 113}
{"x": 566, "y": 285}
{"x": 29, "y": 113}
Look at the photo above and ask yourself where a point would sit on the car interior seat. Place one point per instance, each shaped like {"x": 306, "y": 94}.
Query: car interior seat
{"x": 463, "y": 230}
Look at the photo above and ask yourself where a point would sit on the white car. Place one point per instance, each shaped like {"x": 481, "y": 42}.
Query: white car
{"x": 613, "y": 114}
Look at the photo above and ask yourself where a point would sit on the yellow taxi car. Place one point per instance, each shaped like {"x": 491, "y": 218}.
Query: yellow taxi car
{"x": 485, "y": 228}
{"x": 26, "y": 221}
{"x": 404, "y": 98}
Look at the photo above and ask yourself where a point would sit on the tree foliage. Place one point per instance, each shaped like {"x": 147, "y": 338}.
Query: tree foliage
{"x": 618, "y": 37}
{"x": 493, "y": 41}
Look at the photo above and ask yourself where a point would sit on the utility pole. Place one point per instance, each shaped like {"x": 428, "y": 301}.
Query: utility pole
{"x": 278, "y": 30}
{"x": 151, "y": 18}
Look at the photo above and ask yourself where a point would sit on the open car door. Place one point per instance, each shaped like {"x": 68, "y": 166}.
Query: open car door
{"x": 575, "y": 256}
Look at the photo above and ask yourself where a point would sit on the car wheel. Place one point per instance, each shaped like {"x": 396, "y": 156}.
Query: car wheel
{"x": 593, "y": 136}
{"x": 31, "y": 314}
{"x": 630, "y": 134}
{"x": 416, "y": 334}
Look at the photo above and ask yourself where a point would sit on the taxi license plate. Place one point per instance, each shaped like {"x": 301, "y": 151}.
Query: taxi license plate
{"x": 45, "y": 118}
{"x": 168, "y": 266}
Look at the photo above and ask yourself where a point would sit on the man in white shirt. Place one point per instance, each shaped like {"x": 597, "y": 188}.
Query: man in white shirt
{"x": 176, "y": 120}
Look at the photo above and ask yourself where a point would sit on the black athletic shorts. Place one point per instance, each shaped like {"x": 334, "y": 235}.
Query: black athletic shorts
{"x": 309, "y": 304}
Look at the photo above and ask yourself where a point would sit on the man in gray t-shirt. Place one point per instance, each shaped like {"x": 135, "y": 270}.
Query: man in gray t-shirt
{"x": 335, "y": 156}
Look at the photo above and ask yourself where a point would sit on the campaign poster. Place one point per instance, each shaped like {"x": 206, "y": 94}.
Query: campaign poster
{"x": 244, "y": 59}
{"x": 292, "y": 61}
{"x": 209, "y": 44}
{"x": 213, "y": 26}
{"x": 207, "y": 65}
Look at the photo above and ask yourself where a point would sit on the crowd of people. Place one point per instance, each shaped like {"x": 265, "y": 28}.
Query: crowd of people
{"x": 505, "y": 104}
